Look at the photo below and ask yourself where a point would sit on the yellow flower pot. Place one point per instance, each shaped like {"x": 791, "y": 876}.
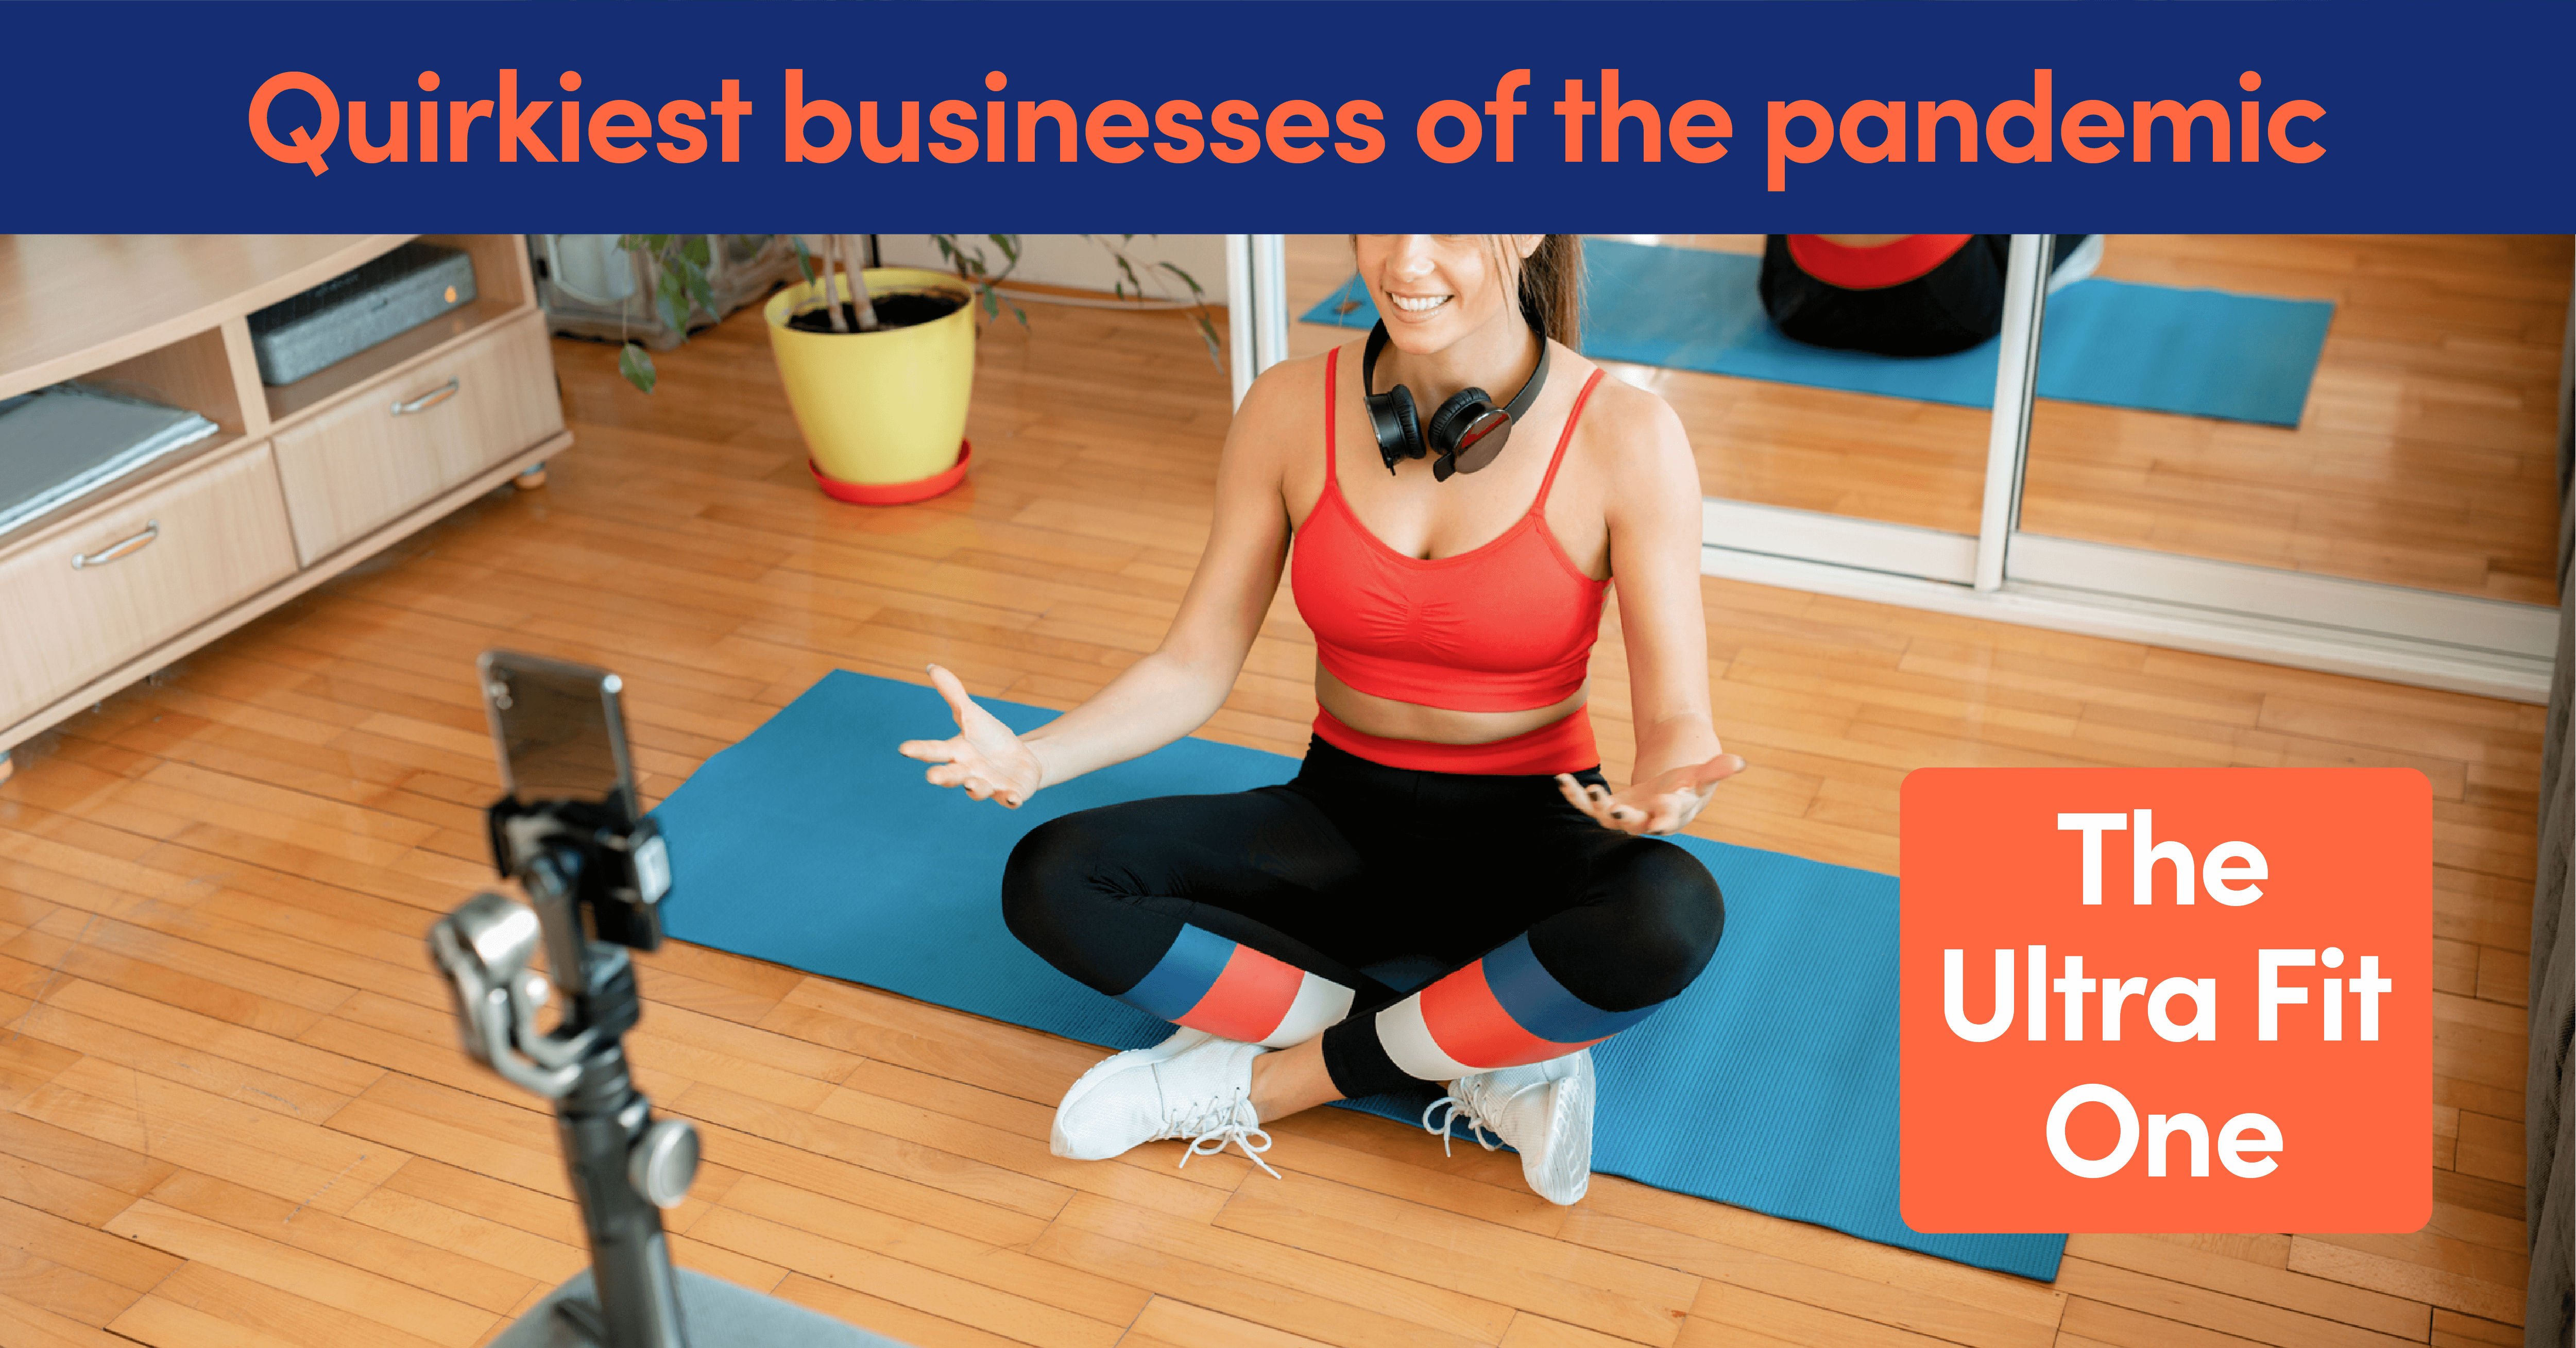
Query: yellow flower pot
{"x": 884, "y": 412}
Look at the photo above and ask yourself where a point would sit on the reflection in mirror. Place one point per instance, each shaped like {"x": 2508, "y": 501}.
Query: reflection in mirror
{"x": 2375, "y": 408}
{"x": 1772, "y": 422}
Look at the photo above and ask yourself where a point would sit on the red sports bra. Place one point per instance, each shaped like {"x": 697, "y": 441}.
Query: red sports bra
{"x": 1503, "y": 627}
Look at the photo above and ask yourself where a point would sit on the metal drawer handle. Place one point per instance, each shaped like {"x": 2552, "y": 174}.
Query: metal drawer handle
{"x": 426, "y": 401}
{"x": 131, "y": 546}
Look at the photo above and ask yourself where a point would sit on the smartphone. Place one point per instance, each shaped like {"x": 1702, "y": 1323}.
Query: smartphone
{"x": 558, "y": 732}
{"x": 561, "y": 740}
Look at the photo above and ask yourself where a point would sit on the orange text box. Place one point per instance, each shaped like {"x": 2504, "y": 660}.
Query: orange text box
{"x": 2310, "y": 893}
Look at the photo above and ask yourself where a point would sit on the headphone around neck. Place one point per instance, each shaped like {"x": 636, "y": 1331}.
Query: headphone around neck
{"x": 1468, "y": 431}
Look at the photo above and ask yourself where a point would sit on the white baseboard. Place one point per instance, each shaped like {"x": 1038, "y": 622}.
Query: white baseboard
{"x": 2514, "y": 675}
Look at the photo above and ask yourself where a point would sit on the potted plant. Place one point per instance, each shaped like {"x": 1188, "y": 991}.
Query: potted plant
{"x": 878, "y": 363}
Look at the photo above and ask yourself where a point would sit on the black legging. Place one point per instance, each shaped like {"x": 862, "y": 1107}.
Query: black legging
{"x": 1254, "y": 915}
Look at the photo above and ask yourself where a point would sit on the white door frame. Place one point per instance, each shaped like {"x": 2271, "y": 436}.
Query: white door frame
{"x": 2016, "y": 378}
{"x": 1256, "y": 309}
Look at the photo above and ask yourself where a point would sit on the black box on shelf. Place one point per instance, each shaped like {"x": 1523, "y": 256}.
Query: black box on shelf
{"x": 358, "y": 309}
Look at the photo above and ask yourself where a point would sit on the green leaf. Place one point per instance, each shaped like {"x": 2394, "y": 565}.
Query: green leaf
{"x": 804, "y": 259}
{"x": 671, "y": 298}
{"x": 637, "y": 367}
{"x": 693, "y": 278}
{"x": 696, "y": 251}
{"x": 1186, "y": 279}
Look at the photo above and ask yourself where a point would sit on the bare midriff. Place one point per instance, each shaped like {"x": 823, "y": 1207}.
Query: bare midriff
{"x": 1389, "y": 719}
{"x": 1863, "y": 240}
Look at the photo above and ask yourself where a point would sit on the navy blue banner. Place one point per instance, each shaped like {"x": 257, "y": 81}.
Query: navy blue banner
{"x": 912, "y": 116}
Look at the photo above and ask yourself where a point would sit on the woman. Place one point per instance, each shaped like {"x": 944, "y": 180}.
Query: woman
{"x": 1451, "y": 804}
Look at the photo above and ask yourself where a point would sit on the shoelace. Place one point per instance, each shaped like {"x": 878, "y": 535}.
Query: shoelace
{"x": 1220, "y": 1121}
{"x": 1477, "y": 1128}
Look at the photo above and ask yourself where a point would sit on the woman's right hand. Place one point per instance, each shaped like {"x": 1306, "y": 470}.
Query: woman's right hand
{"x": 985, "y": 757}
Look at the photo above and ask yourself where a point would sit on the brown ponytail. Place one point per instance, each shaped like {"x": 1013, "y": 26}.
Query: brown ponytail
{"x": 1551, "y": 288}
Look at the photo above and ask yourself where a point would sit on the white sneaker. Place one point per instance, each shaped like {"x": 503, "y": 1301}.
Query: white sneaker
{"x": 1202, "y": 1092}
{"x": 1544, "y": 1110}
{"x": 1181, "y": 1040}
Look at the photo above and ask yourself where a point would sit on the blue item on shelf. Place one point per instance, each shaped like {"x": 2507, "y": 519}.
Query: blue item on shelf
{"x": 60, "y": 443}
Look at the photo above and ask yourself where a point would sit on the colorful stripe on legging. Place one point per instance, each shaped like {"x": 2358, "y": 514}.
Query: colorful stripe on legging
{"x": 1501, "y": 1011}
{"x": 1233, "y": 991}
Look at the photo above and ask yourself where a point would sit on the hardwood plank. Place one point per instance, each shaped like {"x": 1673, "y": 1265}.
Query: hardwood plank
{"x": 1885, "y": 1304}
{"x": 1407, "y": 1298}
{"x": 534, "y": 1259}
{"x": 1531, "y": 1331}
{"x": 2448, "y": 1291}
{"x": 1744, "y": 1310}
{"x": 314, "y": 1277}
{"x": 2089, "y": 1321}
{"x": 2292, "y": 1288}
{"x": 84, "y": 1249}
{"x": 24, "y": 1325}
{"x": 1814, "y": 1247}
{"x": 345, "y": 1240}
{"x": 903, "y": 1282}
{"x": 68, "y": 1292}
{"x": 204, "y": 1304}
{"x": 1626, "y": 1297}
{"x": 899, "y": 1322}
{"x": 2454, "y": 1330}
{"x": 2212, "y": 1309}
{"x": 1004, "y": 1269}
{"x": 1245, "y": 1295}
{"x": 1178, "y": 1324}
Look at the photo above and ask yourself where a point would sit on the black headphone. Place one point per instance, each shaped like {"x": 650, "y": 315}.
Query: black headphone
{"x": 1467, "y": 432}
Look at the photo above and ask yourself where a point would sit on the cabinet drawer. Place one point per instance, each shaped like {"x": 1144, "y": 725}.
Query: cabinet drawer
{"x": 152, "y": 566}
{"x": 390, "y": 449}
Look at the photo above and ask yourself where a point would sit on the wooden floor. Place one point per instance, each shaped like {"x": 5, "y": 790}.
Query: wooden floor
{"x": 2427, "y": 454}
{"x": 233, "y": 1109}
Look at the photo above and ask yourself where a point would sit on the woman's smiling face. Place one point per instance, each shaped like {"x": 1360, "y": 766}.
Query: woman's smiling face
{"x": 1434, "y": 289}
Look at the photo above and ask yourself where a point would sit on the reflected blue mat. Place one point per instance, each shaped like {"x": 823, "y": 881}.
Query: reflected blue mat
{"x": 2202, "y": 353}
{"x": 1770, "y": 1085}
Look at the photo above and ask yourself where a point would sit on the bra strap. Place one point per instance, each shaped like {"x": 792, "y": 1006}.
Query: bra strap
{"x": 1332, "y": 359}
{"x": 1562, "y": 440}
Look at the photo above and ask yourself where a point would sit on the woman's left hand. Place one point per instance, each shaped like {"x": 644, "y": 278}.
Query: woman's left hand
{"x": 1665, "y": 804}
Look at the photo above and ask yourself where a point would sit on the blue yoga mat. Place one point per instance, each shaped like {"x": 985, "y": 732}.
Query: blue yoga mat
{"x": 2201, "y": 353}
{"x": 1770, "y": 1084}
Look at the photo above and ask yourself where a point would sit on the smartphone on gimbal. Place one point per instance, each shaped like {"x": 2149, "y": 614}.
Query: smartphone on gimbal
{"x": 560, "y": 735}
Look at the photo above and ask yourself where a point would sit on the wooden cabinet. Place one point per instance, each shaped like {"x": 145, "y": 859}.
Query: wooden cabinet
{"x": 137, "y": 571}
{"x": 445, "y": 420}
{"x": 300, "y": 481}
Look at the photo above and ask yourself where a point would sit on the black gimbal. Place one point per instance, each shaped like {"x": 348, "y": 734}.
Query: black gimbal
{"x": 595, "y": 870}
